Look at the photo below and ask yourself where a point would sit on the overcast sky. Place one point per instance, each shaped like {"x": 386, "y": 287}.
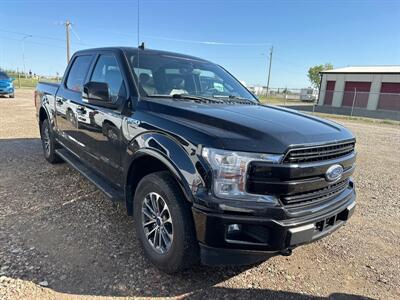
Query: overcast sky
{"x": 236, "y": 34}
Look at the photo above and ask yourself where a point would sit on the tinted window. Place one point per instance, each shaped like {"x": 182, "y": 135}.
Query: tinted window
{"x": 3, "y": 76}
{"x": 107, "y": 70}
{"x": 78, "y": 73}
{"x": 146, "y": 80}
{"x": 169, "y": 75}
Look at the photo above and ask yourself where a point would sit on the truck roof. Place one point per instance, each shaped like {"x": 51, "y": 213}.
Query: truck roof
{"x": 145, "y": 50}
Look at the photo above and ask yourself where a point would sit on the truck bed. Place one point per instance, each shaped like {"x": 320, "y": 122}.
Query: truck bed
{"x": 48, "y": 88}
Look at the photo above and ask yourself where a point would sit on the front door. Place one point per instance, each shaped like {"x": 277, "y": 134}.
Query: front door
{"x": 100, "y": 127}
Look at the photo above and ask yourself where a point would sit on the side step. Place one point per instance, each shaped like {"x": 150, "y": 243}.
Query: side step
{"x": 101, "y": 183}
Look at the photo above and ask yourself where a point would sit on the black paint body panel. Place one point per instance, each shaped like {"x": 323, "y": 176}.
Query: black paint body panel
{"x": 110, "y": 141}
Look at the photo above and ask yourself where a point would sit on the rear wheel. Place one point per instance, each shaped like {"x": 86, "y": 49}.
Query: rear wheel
{"x": 164, "y": 223}
{"x": 48, "y": 143}
{"x": 11, "y": 95}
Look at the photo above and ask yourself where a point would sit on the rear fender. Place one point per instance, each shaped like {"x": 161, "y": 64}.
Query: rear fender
{"x": 47, "y": 105}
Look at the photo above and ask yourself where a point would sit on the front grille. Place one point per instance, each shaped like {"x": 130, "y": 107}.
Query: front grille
{"x": 318, "y": 153}
{"x": 316, "y": 195}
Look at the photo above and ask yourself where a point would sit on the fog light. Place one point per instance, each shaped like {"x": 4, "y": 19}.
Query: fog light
{"x": 234, "y": 227}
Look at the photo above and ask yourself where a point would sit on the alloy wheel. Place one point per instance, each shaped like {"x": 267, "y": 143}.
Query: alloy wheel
{"x": 46, "y": 141}
{"x": 157, "y": 223}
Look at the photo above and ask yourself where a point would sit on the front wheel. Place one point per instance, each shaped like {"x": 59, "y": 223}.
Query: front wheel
{"x": 164, "y": 224}
{"x": 48, "y": 143}
{"x": 11, "y": 95}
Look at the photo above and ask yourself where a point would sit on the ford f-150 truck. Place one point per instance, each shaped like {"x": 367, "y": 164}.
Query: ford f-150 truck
{"x": 210, "y": 174}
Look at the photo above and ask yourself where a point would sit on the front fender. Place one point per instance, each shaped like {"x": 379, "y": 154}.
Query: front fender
{"x": 179, "y": 156}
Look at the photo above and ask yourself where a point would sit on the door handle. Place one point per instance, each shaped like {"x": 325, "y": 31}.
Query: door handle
{"x": 133, "y": 122}
{"x": 81, "y": 110}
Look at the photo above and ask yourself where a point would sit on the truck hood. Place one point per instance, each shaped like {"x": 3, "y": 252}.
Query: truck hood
{"x": 252, "y": 128}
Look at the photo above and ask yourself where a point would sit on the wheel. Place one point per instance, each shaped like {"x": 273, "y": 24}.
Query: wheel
{"x": 48, "y": 143}
{"x": 11, "y": 95}
{"x": 164, "y": 223}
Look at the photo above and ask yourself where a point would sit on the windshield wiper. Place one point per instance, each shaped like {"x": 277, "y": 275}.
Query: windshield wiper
{"x": 191, "y": 97}
{"x": 188, "y": 97}
{"x": 236, "y": 99}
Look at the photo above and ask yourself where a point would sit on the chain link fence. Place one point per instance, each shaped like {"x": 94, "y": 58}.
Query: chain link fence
{"x": 350, "y": 103}
{"x": 360, "y": 103}
{"x": 286, "y": 96}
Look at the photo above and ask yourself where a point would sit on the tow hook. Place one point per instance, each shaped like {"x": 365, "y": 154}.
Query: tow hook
{"x": 286, "y": 252}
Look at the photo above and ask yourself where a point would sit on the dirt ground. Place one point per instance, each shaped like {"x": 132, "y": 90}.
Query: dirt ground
{"x": 58, "y": 241}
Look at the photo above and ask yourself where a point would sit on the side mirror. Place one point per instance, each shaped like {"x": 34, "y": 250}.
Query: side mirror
{"x": 12, "y": 78}
{"x": 97, "y": 93}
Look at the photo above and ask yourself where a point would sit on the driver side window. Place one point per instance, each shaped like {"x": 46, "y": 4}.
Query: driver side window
{"x": 107, "y": 70}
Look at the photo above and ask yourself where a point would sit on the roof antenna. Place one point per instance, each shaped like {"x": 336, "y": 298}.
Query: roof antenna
{"x": 138, "y": 41}
{"x": 141, "y": 46}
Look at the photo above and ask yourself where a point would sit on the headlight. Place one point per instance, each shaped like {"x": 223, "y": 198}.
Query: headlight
{"x": 229, "y": 172}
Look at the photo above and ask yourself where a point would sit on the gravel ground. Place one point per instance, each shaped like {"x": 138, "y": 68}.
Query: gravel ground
{"x": 63, "y": 239}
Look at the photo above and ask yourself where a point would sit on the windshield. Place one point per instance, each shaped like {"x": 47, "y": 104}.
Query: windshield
{"x": 166, "y": 75}
{"x": 4, "y": 76}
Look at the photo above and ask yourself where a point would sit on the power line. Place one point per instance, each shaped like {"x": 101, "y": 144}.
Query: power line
{"x": 43, "y": 36}
{"x": 32, "y": 42}
{"x": 288, "y": 62}
{"x": 216, "y": 43}
{"x": 37, "y": 36}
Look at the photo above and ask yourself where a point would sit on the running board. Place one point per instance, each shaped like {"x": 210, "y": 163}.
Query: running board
{"x": 101, "y": 183}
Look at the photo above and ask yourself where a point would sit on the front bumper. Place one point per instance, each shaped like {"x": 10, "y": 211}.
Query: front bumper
{"x": 6, "y": 90}
{"x": 242, "y": 239}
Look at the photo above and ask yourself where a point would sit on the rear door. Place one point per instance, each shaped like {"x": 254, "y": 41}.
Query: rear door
{"x": 69, "y": 103}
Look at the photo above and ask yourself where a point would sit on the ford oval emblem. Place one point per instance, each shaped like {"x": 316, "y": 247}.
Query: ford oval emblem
{"x": 334, "y": 172}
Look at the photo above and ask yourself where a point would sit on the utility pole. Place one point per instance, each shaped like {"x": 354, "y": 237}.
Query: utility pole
{"x": 271, "y": 50}
{"x": 23, "y": 52}
{"x": 67, "y": 27}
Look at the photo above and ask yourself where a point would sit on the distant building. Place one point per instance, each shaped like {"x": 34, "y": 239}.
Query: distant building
{"x": 370, "y": 88}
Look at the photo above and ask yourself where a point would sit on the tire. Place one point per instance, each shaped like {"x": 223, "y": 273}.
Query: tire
{"x": 48, "y": 143}
{"x": 11, "y": 95}
{"x": 183, "y": 249}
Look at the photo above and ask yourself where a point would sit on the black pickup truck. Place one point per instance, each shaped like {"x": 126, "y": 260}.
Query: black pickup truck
{"x": 210, "y": 174}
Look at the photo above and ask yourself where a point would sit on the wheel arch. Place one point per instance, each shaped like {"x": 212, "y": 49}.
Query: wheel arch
{"x": 43, "y": 115}
{"x": 156, "y": 152}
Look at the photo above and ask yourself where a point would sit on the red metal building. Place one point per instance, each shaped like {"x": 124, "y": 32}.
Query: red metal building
{"x": 371, "y": 88}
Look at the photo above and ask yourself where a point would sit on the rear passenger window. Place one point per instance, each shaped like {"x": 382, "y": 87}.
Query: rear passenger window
{"x": 78, "y": 73}
{"x": 107, "y": 70}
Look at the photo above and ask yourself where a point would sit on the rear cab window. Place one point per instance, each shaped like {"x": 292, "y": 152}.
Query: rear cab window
{"x": 77, "y": 73}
